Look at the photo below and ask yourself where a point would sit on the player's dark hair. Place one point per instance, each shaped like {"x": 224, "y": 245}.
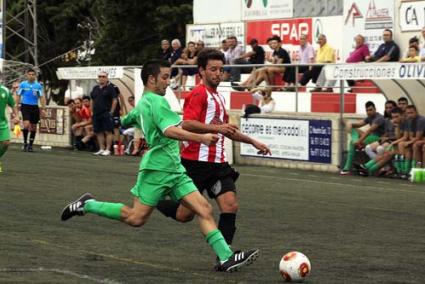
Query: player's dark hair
{"x": 370, "y": 104}
{"x": 152, "y": 67}
{"x": 69, "y": 102}
{"x": 412, "y": 107}
{"x": 232, "y": 37}
{"x": 391, "y": 102}
{"x": 31, "y": 70}
{"x": 402, "y": 99}
{"x": 209, "y": 54}
{"x": 86, "y": 98}
{"x": 397, "y": 110}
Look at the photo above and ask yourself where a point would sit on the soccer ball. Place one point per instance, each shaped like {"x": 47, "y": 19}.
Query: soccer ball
{"x": 294, "y": 267}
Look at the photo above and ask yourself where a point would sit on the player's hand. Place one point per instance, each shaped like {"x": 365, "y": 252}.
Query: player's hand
{"x": 43, "y": 113}
{"x": 16, "y": 120}
{"x": 209, "y": 139}
{"x": 228, "y": 129}
{"x": 262, "y": 148}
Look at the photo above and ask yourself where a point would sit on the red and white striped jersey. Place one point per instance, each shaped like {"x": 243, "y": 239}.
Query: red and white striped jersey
{"x": 207, "y": 106}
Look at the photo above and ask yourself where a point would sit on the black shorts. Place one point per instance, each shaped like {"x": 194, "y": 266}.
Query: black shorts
{"x": 30, "y": 113}
{"x": 117, "y": 121}
{"x": 215, "y": 178}
{"x": 103, "y": 123}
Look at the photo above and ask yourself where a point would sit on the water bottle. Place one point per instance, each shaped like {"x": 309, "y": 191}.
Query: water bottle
{"x": 116, "y": 150}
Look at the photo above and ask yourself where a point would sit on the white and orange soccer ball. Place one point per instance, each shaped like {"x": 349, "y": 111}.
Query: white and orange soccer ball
{"x": 294, "y": 267}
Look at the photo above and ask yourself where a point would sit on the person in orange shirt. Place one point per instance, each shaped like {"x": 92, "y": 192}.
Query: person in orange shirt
{"x": 83, "y": 128}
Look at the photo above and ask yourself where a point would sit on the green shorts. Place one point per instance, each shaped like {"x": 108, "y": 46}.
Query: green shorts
{"x": 4, "y": 133}
{"x": 153, "y": 186}
{"x": 371, "y": 138}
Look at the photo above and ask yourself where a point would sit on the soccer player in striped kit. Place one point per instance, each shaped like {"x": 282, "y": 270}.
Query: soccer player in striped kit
{"x": 205, "y": 112}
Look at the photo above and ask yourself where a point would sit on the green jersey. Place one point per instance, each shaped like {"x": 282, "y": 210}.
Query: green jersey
{"x": 154, "y": 115}
{"x": 6, "y": 99}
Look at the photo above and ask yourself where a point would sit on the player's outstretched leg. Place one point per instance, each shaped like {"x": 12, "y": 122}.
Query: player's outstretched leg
{"x": 76, "y": 207}
{"x": 229, "y": 261}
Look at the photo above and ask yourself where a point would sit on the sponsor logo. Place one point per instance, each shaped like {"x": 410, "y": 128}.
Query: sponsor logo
{"x": 353, "y": 12}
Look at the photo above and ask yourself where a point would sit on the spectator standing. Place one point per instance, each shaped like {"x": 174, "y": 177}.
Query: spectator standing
{"x": 119, "y": 111}
{"x": 104, "y": 102}
{"x": 28, "y": 95}
{"x": 176, "y": 53}
{"x": 387, "y": 51}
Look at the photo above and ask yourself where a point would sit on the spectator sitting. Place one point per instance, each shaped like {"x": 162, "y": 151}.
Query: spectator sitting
{"x": 359, "y": 138}
{"x": 400, "y": 132}
{"x": 267, "y": 74}
{"x": 224, "y": 47}
{"x": 176, "y": 53}
{"x": 235, "y": 51}
{"x": 386, "y": 52}
{"x": 412, "y": 55}
{"x": 188, "y": 57}
{"x": 165, "y": 52}
{"x": 255, "y": 56}
{"x": 83, "y": 130}
{"x": 377, "y": 148}
{"x": 325, "y": 54}
{"x": 267, "y": 104}
{"x": 306, "y": 54}
{"x": 359, "y": 54}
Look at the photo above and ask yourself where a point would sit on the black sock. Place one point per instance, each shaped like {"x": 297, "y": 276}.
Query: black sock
{"x": 32, "y": 137}
{"x": 25, "y": 132}
{"x": 226, "y": 225}
{"x": 168, "y": 208}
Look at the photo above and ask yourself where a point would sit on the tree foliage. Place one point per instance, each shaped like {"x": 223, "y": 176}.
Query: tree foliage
{"x": 124, "y": 32}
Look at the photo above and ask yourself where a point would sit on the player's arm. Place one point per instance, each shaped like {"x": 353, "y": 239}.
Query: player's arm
{"x": 199, "y": 127}
{"x": 180, "y": 134}
{"x": 114, "y": 100}
{"x": 358, "y": 124}
{"x": 15, "y": 111}
{"x": 131, "y": 119}
{"x": 122, "y": 104}
{"x": 364, "y": 134}
{"x": 240, "y": 137}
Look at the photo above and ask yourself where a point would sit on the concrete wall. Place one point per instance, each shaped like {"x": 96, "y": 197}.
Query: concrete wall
{"x": 63, "y": 140}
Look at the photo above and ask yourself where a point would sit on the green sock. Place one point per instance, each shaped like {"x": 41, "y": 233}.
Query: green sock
{"x": 370, "y": 164}
{"x": 104, "y": 209}
{"x": 413, "y": 164}
{"x": 406, "y": 164}
{"x": 351, "y": 151}
{"x": 3, "y": 149}
{"x": 397, "y": 166}
{"x": 373, "y": 168}
{"x": 219, "y": 245}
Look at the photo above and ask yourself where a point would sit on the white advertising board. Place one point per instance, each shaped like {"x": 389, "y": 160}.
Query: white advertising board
{"x": 213, "y": 34}
{"x": 217, "y": 11}
{"x": 75, "y": 73}
{"x": 375, "y": 71}
{"x": 304, "y": 140}
{"x": 368, "y": 18}
{"x": 412, "y": 16}
{"x": 266, "y": 9}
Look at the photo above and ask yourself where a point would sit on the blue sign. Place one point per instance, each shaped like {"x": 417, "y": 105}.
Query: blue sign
{"x": 320, "y": 141}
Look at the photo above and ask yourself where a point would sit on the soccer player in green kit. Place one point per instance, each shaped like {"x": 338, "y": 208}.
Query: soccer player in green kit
{"x": 6, "y": 99}
{"x": 161, "y": 173}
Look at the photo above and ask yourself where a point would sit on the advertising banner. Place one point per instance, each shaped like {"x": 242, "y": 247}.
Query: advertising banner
{"x": 290, "y": 30}
{"x": 304, "y": 140}
{"x": 213, "y": 34}
{"x": 368, "y": 18}
{"x": 266, "y": 9}
{"x": 75, "y": 73}
{"x": 376, "y": 71}
{"x": 217, "y": 11}
{"x": 412, "y": 16}
{"x": 53, "y": 122}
